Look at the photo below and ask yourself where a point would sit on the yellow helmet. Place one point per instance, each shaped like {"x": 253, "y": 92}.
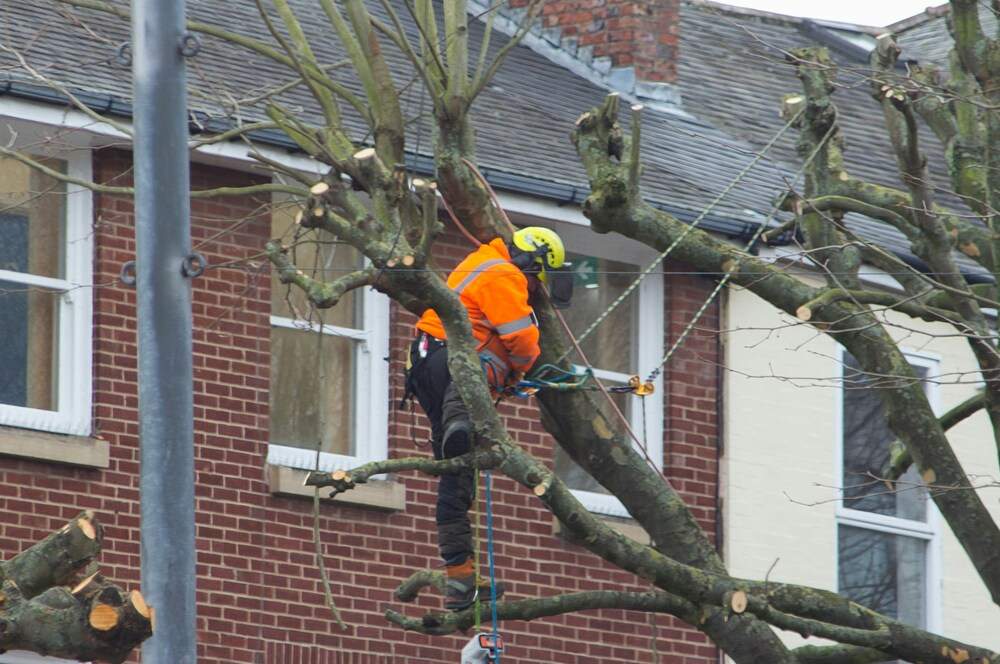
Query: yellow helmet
{"x": 532, "y": 238}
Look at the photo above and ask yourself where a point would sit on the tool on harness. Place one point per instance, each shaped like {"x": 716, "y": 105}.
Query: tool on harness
{"x": 482, "y": 648}
{"x": 423, "y": 347}
{"x": 635, "y": 386}
{"x": 551, "y": 377}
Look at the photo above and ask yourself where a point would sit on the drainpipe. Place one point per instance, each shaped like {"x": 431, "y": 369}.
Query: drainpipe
{"x": 163, "y": 293}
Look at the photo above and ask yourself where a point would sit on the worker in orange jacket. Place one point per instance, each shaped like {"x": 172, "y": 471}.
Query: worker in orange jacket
{"x": 494, "y": 283}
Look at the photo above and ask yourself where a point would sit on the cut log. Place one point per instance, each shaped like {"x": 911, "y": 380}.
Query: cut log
{"x": 86, "y": 525}
{"x": 83, "y": 584}
{"x": 319, "y": 189}
{"x": 139, "y": 602}
{"x": 738, "y": 601}
{"x": 57, "y": 560}
{"x": 103, "y": 617}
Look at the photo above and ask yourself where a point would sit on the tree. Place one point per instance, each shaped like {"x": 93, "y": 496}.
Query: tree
{"x": 367, "y": 199}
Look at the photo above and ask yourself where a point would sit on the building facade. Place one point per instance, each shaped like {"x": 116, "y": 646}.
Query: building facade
{"x": 263, "y": 401}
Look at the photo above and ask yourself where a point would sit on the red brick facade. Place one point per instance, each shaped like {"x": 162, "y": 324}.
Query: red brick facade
{"x": 259, "y": 593}
{"x": 633, "y": 33}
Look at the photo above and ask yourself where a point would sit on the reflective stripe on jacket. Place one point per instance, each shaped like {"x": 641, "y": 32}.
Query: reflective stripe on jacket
{"x": 495, "y": 293}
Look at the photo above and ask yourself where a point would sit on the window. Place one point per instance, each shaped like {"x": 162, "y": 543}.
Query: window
{"x": 605, "y": 266}
{"x": 328, "y": 390}
{"x": 886, "y": 540}
{"x": 45, "y": 277}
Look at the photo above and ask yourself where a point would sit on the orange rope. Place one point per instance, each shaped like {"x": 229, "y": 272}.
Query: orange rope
{"x": 465, "y": 231}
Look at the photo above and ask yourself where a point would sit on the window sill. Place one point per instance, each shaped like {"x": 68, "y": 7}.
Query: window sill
{"x": 384, "y": 495}
{"x": 53, "y": 447}
{"x": 630, "y": 528}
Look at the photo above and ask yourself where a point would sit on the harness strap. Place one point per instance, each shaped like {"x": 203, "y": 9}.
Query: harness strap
{"x": 424, "y": 346}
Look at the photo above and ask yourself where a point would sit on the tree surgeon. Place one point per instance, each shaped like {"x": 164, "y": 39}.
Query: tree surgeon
{"x": 494, "y": 283}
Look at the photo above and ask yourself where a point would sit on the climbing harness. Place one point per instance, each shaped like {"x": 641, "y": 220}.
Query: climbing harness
{"x": 551, "y": 377}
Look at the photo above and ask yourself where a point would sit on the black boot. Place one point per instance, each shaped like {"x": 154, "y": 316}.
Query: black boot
{"x": 462, "y": 591}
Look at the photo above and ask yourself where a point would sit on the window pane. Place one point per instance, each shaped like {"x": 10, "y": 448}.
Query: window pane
{"x": 321, "y": 257}
{"x": 28, "y": 361}
{"x": 598, "y": 283}
{"x": 312, "y": 400}
{"x": 884, "y": 572}
{"x": 573, "y": 475}
{"x": 866, "y": 449}
{"x": 32, "y": 219}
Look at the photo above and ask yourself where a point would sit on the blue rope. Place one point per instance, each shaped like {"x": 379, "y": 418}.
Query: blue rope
{"x": 489, "y": 553}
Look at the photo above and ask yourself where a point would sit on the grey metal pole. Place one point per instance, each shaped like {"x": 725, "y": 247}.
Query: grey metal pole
{"x": 166, "y": 412}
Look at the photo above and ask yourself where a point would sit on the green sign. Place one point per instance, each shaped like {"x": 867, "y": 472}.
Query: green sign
{"x": 585, "y": 270}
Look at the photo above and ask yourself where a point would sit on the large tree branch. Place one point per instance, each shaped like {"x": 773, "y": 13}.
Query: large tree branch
{"x": 323, "y": 294}
{"x": 342, "y": 480}
{"x": 899, "y": 458}
{"x": 908, "y": 412}
{"x": 970, "y": 40}
{"x": 955, "y": 121}
{"x": 972, "y": 240}
{"x": 906, "y": 305}
{"x": 936, "y": 241}
{"x": 542, "y": 607}
{"x": 848, "y": 204}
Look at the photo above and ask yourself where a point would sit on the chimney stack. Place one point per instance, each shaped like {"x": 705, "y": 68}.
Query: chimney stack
{"x": 633, "y": 42}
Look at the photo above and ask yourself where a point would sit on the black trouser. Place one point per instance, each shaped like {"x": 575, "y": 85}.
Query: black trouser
{"x": 431, "y": 382}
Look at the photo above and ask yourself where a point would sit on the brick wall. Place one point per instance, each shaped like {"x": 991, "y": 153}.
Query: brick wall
{"x": 259, "y": 594}
{"x": 633, "y": 33}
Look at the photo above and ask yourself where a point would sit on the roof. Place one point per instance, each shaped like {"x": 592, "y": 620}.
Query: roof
{"x": 523, "y": 128}
{"x": 732, "y": 76}
{"x": 732, "y": 73}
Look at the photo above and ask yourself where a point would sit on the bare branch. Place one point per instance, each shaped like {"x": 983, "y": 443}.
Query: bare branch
{"x": 323, "y": 294}
{"x": 541, "y": 607}
{"x": 482, "y": 81}
{"x": 55, "y": 85}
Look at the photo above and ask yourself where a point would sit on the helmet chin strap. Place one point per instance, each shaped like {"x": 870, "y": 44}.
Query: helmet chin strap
{"x": 525, "y": 260}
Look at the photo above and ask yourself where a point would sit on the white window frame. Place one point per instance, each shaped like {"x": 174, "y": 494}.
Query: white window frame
{"x": 579, "y": 239}
{"x": 74, "y": 314}
{"x": 371, "y": 389}
{"x": 928, "y": 531}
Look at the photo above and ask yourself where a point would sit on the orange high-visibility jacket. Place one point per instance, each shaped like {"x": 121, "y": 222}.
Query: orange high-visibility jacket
{"x": 495, "y": 293}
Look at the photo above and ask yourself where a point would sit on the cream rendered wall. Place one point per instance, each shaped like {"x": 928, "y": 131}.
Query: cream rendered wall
{"x": 781, "y": 448}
